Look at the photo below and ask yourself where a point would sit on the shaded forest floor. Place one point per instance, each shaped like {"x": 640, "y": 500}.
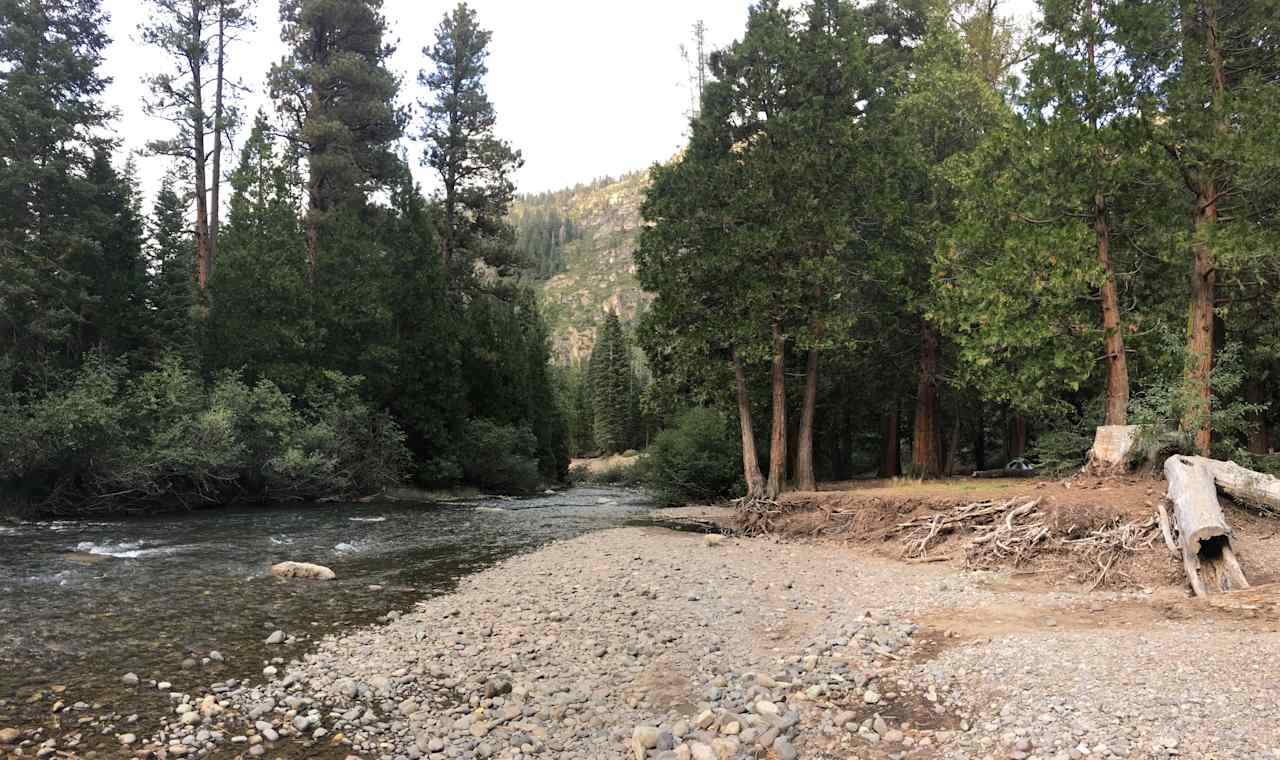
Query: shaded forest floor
{"x": 1081, "y": 533}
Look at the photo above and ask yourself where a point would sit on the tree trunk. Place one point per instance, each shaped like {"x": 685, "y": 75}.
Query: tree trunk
{"x": 215, "y": 179}
{"x": 311, "y": 249}
{"x": 805, "y": 480}
{"x": 750, "y": 460}
{"x": 1016, "y": 438}
{"x": 980, "y": 441}
{"x": 1204, "y": 538}
{"x": 778, "y": 439}
{"x": 1117, "y": 365}
{"x": 890, "y": 464}
{"x": 924, "y": 442}
{"x": 1204, "y": 268}
{"x": 198, "y": 153}
{"x": 953, "y": 448}
{"x": 1259, "y": 432}
{"x": 1255, "y": 489}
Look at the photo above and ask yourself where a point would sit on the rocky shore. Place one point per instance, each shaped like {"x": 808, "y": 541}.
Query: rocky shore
{"x": 656, "y": 645}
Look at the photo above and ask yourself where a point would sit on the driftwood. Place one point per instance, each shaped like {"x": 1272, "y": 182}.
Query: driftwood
{"x": 1203, "y": 535}
{"x": 1255, "y": 489}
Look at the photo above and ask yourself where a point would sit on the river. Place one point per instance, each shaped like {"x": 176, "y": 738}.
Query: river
{"x": 84, "y": 602}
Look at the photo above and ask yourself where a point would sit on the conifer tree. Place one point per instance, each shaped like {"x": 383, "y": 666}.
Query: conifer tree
{"x": 172, "y": 274}
{"x": 473, "y": 164}
{"x": 338, "y": 95}
{"x": 611, "y": 387}
{"x": 50, "y": 98}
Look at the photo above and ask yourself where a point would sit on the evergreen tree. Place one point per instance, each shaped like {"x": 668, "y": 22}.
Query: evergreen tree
{"x": 263, "y": 323}
{"x": 339, "y": 96}
{"x": 113, "y": 267}
{"x": 612, "y": 388}
{"x": 473, "y": 164}
{"x": 50, "y": 98}
{"x": 172, "y": 275}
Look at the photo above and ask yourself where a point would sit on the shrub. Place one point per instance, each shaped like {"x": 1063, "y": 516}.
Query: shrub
{"x": 697, "y": 459}
{"x": 500, "y": 458}
{"x": 102, "y": 443}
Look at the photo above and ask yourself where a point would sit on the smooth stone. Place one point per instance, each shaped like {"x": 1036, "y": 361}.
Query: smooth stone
{"x": 306, "y": 570}
{"x": 129, "y": 679}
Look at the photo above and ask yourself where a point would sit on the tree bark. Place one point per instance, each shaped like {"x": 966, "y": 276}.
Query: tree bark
{"x": 215, "y": 179}
{"x": 953, "y": 447}
{"x": 980, "y": 441}
{"x": 1117, "y": 365}
{"x": 1203, "y": 266}
{"x": 750, "y": 460}
{"x": 924, "y": 442}
{"x": 778, "y": 439}
{"x": 199, "y": 158}
{"x": 805, "y": 480}
{"x": 1259, "y": 433}
{"x": 890, "y": 464}
{"x": 1256, "y": 489}
{"x": 1016, "y": 440}
{"x": 312, "y": 244}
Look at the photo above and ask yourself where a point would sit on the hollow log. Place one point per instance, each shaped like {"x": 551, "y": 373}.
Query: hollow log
{"x": 1246, "y": 486}
{"x": 1203, "y": 534}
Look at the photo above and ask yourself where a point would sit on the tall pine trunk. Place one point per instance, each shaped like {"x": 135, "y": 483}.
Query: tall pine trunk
{"x": 924, "y": 443}
{"x": 805, "y": 480}
{"x": 890, "y": 459}
{"x": 1203, "y": 266}
{"x": 215, "y": 179}
{"x": 953, "y": 446}
{"x": 1117, "y": 364}
{"x": 198, "y": 155}
{"x": 1015, "y": 442}
{"x": 750, "y": 460}
{"x": 778, "y": 437}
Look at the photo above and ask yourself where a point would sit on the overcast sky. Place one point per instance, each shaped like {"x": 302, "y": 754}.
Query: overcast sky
{"x": 583, "y": 88}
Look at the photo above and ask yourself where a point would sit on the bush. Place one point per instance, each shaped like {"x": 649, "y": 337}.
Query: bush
{"x": 622, "y": 474}
{"x": 101, "y": 443}
{"x": 698, "y": 459}
{"x": 500, "y": 458}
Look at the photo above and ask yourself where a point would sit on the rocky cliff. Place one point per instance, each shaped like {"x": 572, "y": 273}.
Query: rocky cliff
{"x": 596, "y": 273}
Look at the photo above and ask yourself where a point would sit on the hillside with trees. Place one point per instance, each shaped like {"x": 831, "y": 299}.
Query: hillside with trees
{"x": 580, "y": 242}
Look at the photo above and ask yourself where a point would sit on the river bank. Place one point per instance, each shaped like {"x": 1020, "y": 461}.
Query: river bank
{"x": 649, "y": 643}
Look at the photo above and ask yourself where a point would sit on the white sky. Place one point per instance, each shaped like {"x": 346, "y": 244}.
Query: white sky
{"x": 583, "y": 88}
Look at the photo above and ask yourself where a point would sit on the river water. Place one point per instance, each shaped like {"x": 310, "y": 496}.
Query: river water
{"x": 84, "y": 602}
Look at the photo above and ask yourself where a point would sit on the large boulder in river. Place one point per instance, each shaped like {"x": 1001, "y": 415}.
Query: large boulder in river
{"x": 302, "y": 570}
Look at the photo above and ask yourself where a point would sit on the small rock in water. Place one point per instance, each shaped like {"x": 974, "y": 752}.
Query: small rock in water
{"x": 128, "y": 739}
{"x": 129, "y": 679}
{"x": 10, "y": 735}
{"x": 276, "y": 637}
{"x": 216, "y": 656}
{"x": 302, "y": 570}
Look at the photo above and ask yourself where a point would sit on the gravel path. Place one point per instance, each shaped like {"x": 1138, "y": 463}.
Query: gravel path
{"x": 645, "y": 643}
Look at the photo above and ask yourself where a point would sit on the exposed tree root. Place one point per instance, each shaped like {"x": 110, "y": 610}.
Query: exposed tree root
{"x": 756, "y": 516}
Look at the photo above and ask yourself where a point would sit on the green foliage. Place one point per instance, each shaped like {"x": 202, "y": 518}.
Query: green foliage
{"x": 609, "y": 372}
{"x": 626, "y": 474}
{"x": 108, "y": 441}
{"x": 500, "y": 457}
{"x": 697, "y": 459}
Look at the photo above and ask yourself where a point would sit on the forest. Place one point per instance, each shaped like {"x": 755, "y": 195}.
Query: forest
{"x": 336, "y": 332}
{"x": 904, "y": 237}
{"x": 915, "y": 237}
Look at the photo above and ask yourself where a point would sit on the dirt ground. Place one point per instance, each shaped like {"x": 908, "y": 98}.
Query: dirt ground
{"x": 872, "y": 513}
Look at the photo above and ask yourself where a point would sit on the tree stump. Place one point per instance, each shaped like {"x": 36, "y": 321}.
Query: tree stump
{"x": 1112, "y": 448}
{"x": 1203, "y": 534}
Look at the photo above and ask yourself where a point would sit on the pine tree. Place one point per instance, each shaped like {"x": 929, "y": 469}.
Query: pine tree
{"x": 113, "y": 268}
{"x": 474, "y": 165}
{"x": 172, "y": 274}
{"x": 50, "y": 98}
{"x": 194, "y": 35}
{"x": 611, "y": 387}
{"x": 335, "y": 89}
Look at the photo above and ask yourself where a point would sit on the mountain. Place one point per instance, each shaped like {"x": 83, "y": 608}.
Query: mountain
{"x": 580, "y": 241}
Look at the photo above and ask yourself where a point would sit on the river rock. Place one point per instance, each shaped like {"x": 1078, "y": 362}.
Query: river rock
{"x": 276, "y": 638}
{"x": 129, "y": 679}
{"x": 10, "y": 735}
{"x": 305, "y": 570}
{"x": 128, "y": 739}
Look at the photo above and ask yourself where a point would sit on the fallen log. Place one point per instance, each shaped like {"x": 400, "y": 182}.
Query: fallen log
{"x": 1004, "y": 472}
{"x": 1246, "y": 486}
{"x": 1203, "y": 535}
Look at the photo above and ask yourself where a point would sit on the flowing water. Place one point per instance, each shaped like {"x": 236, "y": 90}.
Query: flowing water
{"x": 84, "y": 602}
